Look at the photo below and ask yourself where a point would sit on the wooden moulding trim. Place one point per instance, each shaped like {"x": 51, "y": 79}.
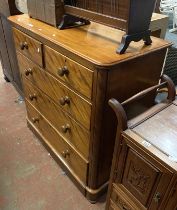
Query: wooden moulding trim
{"x": 63, "y": 50}
{"x": 145, "y": 116}
{"x": 156, "y": 156}
{"x": 96, "y": 191}
{"x": 92, "y": 194}
{"x": 54, "y": 152}
{"x": 97, "y": 17}
{"x": 59, "y": 48}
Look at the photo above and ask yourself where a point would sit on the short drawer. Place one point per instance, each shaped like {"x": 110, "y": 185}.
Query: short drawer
{"x": 71, "y": 102}
{"x": 67, "y": 154}
{"x": 69, "y": 129}
{"x": 28, "y": 46}
{"x": 72, "y": 73}
{"x": 123, "y": 201}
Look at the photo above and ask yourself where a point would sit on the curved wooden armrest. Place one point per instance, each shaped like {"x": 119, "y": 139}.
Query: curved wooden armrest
{"x": 118, "y": 107}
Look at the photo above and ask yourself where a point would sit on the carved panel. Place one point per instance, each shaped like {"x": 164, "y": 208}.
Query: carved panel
{"x": 139, "y": 176}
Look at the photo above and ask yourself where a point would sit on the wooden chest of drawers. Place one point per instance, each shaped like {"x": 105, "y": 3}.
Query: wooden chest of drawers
{"x": 68, "y": 77}
{"x": 144, "y": 171}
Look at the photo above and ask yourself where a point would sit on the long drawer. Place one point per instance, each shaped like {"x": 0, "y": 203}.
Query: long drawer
{"x": 71, "y": 102}
{"x": 67, "y": 154}
{"x": 68, "y": 128}
{"x": 28, "y": 46}
{"x": 70, "y": 72}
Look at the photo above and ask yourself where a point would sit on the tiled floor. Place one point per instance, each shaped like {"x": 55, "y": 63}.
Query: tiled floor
{"x": 29, "y": 178}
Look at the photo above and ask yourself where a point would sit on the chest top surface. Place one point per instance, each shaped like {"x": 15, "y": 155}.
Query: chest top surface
{"x": 95, "y": 42}
{"x": 160, "y": 130}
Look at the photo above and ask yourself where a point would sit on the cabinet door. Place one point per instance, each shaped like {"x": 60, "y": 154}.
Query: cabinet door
{"x": 139, "y": 174}
{"x": 172, "y": 199}
{"x": 4, "y": 54}
{"x": 11, "y": 52}
{"x": 8, "y": 54}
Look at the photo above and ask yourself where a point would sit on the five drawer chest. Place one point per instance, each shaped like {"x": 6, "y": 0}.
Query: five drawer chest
{"x": 68, "y": 77}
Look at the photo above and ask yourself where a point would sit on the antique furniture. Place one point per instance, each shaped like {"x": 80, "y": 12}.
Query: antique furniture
{"x": 7, "y": 49}
{"x": 131, "y": 16}
{"x": 68, "y": 77}
{"x": 159, "y": 25}
{"x": 144, "y": 170}
{"x": 48, "y": 11}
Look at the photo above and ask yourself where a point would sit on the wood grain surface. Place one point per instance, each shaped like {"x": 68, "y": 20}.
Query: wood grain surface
{"x": 89, "y": 51}
{"x": 144, "y": 162}
{"x": 65, "y": 151}
{"x": 121, "y": 199}
{"x": 76, "y": 135}
{"x": 33, "y": 49}
{"x": 77, "y": 77}
{"x": 95, "y": 42}
{"x": 165, "y": 121}
{"x": 78, "y": 107}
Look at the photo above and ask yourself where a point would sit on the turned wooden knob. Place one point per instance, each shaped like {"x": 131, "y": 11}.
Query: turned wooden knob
{"x": 35, "y": 119}
{"x": 32, "y": 97}
{"x": 23, "y": 45}
{"x": 65, "y": 153}
{"x": 28, "y": 71}
{"x": 63, "y": 71}
{"x": 65, "y": 128}
{"x": 64, "y": 100}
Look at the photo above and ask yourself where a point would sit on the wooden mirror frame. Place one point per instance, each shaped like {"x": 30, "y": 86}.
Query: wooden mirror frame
{"x": 135, "y": 20}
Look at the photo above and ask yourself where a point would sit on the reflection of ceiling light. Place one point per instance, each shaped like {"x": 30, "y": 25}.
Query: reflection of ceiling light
{"x": 31, "y": 25}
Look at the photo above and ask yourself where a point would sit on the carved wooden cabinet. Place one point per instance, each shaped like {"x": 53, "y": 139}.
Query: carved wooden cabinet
{"x": 68, "y": 77}
{"x": 144, "y": 172}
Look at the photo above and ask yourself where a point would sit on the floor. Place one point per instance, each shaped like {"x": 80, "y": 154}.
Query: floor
{"x": 29, "y": 178}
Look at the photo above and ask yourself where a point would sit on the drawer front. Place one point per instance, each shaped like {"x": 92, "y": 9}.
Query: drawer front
{"x": 78, "y": 107}
{"x": 75, "y": 75}
{"x": 123, "y": 202}
{"x": 68, "y": 128}
{"x": 28, "y": 46}
{"x": 67, "y": 154}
